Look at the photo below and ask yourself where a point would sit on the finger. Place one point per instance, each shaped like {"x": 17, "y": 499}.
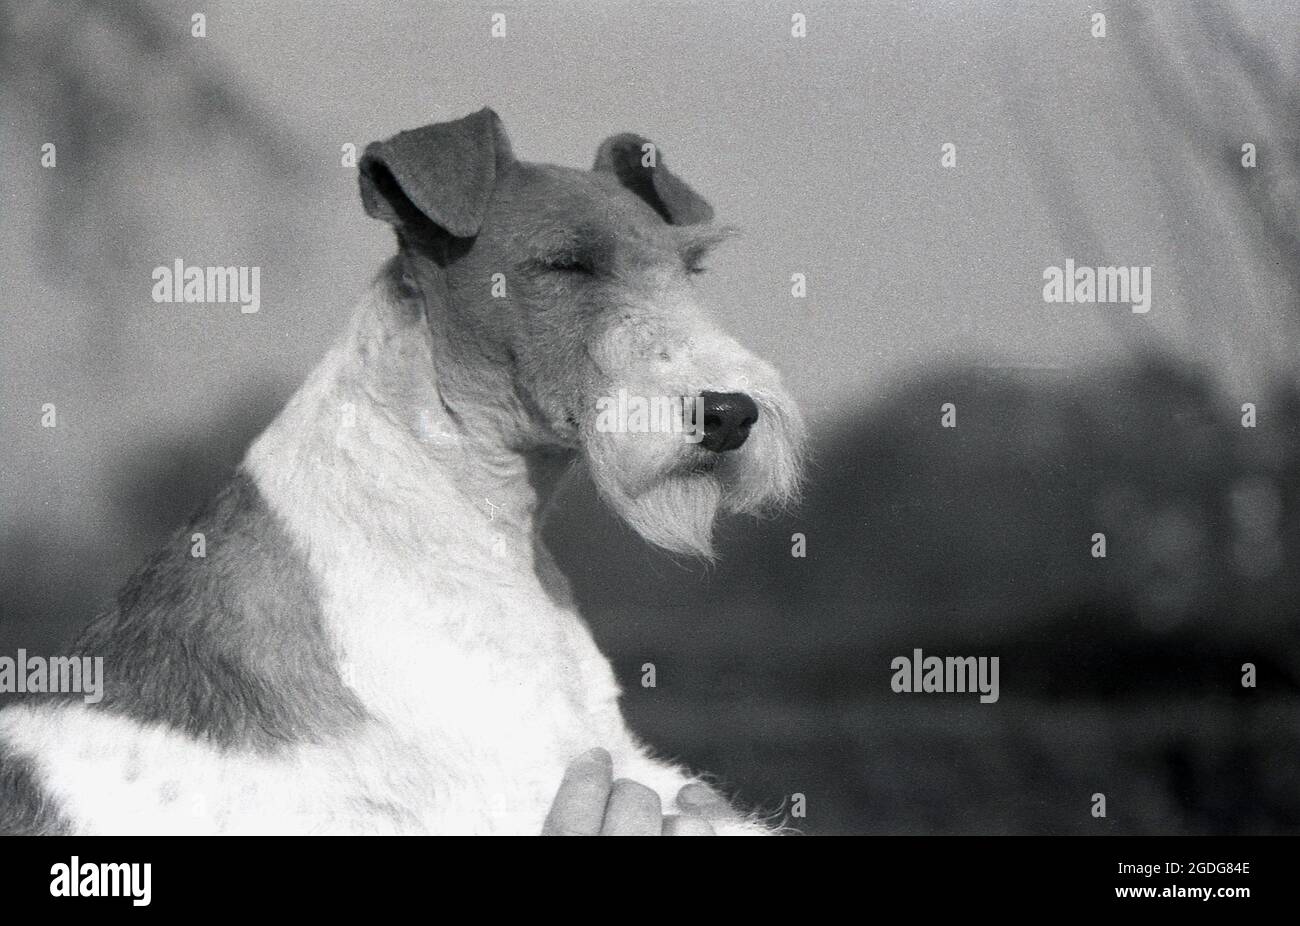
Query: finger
{"x": 633, "y": 810}
{"x": 677, "y": 825}
{"x": 699, "y": 799}
{"x": 579, "y": 805}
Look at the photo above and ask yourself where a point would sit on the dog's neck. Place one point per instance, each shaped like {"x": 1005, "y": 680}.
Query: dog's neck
{"x": 382, "y": 422}
{"x": 424, "y": 532}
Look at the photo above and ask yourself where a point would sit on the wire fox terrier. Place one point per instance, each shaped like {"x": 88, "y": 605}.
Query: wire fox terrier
{"x": 376, "y": 640}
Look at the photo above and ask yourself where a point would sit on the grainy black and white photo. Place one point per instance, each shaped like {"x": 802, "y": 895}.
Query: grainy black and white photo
{"x": 561, "y": 417}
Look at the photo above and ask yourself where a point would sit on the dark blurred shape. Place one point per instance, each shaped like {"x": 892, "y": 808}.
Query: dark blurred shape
{"x": 47, "y": 592}
{"x": 164, "y": 484}
{"x": 1120, "y": 675}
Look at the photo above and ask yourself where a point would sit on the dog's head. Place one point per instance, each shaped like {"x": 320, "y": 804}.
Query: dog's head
{"x": 572, "y": 318}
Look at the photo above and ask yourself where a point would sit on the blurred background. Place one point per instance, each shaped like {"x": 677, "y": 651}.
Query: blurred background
{"x": 1119, "y": 675}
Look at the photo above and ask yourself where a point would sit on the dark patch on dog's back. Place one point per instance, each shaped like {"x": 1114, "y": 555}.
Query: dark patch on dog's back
{"x": 24, "y": 809}
{"x": 229, "y": 647}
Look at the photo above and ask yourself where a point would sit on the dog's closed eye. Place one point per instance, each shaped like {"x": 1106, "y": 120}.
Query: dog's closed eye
{"x": 571, "y": 258}
{"x": 577, "y": 251}
{"x": 568, "y": 264}
{"x": 698, "y": 244}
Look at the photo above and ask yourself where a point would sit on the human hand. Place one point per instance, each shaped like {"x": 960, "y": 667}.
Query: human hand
{"x": 590, "y": 803}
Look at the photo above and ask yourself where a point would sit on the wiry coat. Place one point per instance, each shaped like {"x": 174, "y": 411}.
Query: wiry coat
{"x": 377, "y": 640}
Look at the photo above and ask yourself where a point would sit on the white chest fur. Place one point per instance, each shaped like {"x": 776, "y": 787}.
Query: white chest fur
{"x": 445, "y": 618}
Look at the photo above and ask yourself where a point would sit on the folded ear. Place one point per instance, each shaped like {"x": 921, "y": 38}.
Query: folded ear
{"x": 640, "y": 167}
{"x": 443, "y": 173}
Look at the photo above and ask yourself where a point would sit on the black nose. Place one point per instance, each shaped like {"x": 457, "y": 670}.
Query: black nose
{"x": 727, "y": 419}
